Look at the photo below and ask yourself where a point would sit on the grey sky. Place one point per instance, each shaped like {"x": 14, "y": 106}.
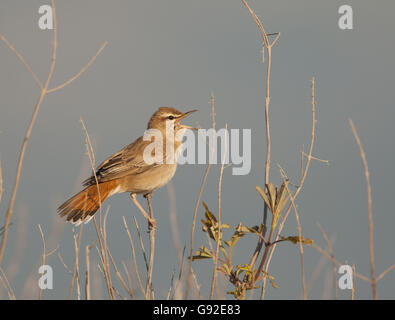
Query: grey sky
{"x": 176, "y": 53}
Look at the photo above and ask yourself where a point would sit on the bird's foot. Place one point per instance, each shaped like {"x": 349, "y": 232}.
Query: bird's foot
{"x": 148, "y": 196}
{"x": 151, "y": 224}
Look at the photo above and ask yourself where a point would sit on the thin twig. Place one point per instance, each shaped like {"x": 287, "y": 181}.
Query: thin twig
{"x": 317, "y": 270}
{"x": 64, "y": 264}
{"x": 81, "y": 71}
{"x": 152, "y": 233}
{"x": 20, "y": 57}
{"x": 27, "y": 136}
{"x": 141, "y": 243}
{"x": 315, "y": 158}
{"x": 107, "y": 250}
{"x": 303, "y": 176}
{"x": 266, "y": 45}
{"x": 87, "y": 273}
{"x": 219, "y": 240}
{"x": 43, "y": 254}
{"x": 119, "y": 276}
{"x": 6, "y": 284}
{"x": 299, "y": 226}
{"x": 370, "y": 214}
{"x": 331, "y": 252}
{"x": 381, "y": 275}
{"x": 171, "y": 285}
{"x": 187, "y": 286}
{"x": 130, "y": 285}
{"x": 177, "y": 293}
{"x": 196, "y": 284}
{"x": 133, "y": 255}
{"x": 101, "y": 236}
{"x": 354, "y": 280}
{"x": 44, "y": 91}
{"x": 75, "y": 274}
{"x": 338, "y": 264}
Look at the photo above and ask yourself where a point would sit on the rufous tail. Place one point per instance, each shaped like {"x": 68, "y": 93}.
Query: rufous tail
{"x": 81, "y": 207}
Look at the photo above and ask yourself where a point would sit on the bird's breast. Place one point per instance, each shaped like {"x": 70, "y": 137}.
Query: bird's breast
{"x": 149, "y": 180}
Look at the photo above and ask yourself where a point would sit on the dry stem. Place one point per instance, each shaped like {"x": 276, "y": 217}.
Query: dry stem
{"x": 219, "y": 216}
{"x": 100, "y": 231}
{"x": 187, "y": 286}
{"x": 301, "y": 182}
{"x": 133, "y": 255}
{"x": 44, "y": 91}
{"x": 331, "y": 252}
{"x": 152, "y": 232}
{"x": 370, "y": 214}
{"x": 266, "y": 45}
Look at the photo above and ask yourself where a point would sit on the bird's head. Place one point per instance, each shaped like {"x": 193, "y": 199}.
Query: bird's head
{"x": 166, "y": 117}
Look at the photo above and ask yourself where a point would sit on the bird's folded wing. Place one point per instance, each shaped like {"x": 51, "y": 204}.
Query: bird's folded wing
{"x": 127, "y": 161}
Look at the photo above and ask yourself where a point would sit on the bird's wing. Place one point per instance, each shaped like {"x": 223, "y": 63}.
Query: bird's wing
{"x": 127, "y": 161}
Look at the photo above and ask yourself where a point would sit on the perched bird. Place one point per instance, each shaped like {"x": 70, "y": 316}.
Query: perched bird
{"x": 128, "y": 170}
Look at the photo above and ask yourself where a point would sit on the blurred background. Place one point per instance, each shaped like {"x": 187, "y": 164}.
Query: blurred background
{"x": 176, "y": 53}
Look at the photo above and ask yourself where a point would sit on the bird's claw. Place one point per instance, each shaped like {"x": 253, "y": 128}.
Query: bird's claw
{"x": 151, "y": 224}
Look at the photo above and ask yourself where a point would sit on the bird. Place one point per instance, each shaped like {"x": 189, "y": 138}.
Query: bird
{"x": 128, "y": 171}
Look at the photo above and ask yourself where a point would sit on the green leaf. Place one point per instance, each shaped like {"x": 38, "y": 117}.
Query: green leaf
{"x": 297, "y": 239}
{"x": 245, "y": 268}
{"x": 211, "y": 225}
{"x": 202, "y": 253}
{"x": 239, "y": 293}
{"x": 209, "y": 215}
{"x": 281, "y": 193}
{"x": 271, "y": 279}
{"x": 283, "y": 197}
{"x": 272, "y": 194}
{"x": 264, "y": 197}
{"x": 225, "y": 268}
{"x": 256, "y": 229}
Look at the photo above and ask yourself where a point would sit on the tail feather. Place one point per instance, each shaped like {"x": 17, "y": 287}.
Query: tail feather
{"x": 81, "y": 207}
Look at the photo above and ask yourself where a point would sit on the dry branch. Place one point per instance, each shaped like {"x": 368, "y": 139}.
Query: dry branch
{"x": 370, "y": 214}
{"x": 43, "y": 93}
{"x": 187, "y": 286}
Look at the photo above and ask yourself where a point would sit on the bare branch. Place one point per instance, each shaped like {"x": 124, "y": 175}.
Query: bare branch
{"x": 381, "y": 275}
{"x": 301, "y": 181}
{"x": 299, "y": 234}
{"x": 20, "y": 57}
{"x": 219, "y": 216}
{"x": 370, "y": 214}
{"x": 27, "y": 136}
{"x": 44, "y": 91}
{"x": 331, "y": 252}
{"x": 187, "y": 286}
{"x": 152, "y": 233}
{"x": 338, "y": 264}
{"x": 81, "y": 71}
{"x": 133, "y": 254}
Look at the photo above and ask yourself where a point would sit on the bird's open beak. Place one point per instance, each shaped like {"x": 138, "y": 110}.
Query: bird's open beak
{"x": 184, "y": 116}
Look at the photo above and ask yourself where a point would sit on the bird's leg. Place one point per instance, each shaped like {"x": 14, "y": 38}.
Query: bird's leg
{"x": 151, "y": 220}
{"x": 148, "y": 196}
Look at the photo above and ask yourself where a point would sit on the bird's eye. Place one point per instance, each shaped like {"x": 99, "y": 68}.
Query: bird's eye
{"x": 170, "y": 117}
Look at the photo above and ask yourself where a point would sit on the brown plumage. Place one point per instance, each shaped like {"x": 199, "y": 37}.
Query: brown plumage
{"x": 84, "y": 204}
{"x": 126, "y": 171}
